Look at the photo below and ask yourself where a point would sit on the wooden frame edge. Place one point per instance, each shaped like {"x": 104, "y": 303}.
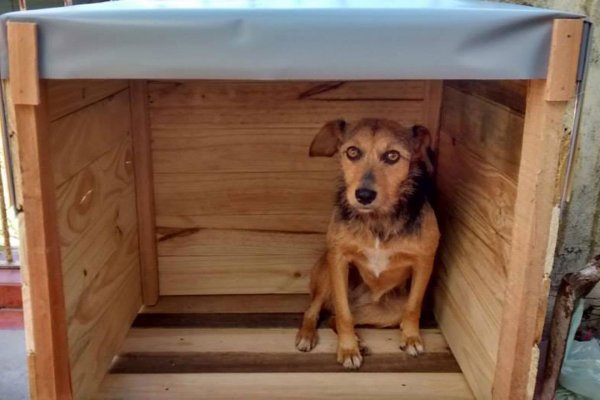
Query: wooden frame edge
{"x": 44, "y": 304}
{"x": 144, "y": 190}
{"x": 536, "y": 202}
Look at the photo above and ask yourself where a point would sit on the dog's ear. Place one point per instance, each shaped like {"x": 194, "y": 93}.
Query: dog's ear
{"x": 327, "y": 142}
{"x": 421, "y": 139}
{"x": 422, "y": 150}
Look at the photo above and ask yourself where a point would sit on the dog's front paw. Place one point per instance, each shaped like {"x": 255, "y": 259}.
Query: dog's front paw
{"x": 349, "y": 356}
{"x": 306, "y": 340}
{"x": 412, "y": 345}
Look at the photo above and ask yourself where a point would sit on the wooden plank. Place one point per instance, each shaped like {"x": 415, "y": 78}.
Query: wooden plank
{"x": 264, "y": 340}
{"x": 307, "y": 222}
{"x": 234, "y": 275}
{"x": 511, "y": 94}
{"x": 238, "y": 150}
{"x": 240, "y": 320}
{"x": 207, "y": 261}
{"x": 70, "y": 95}
{"x": 107, "y": 325}
{"x": 23, "y": 62}
{"x": 43, "y": 302}
{"x": 537, "y": 196}
{"x": 100, "y": 191}
{"x": 270, "y": 303}
{"x": 433, "y": 108}
{"x": 180, "y": 93}
{"x": 213, "y": 242}
{"x": 564, "y": 59}
{"x": 296, "y": 386}
{"x": 182, "y": 363}
{"x": 478, "y": 196}
{"x": 170, "y": 120}
{"x": 484, "y": 127}
{"x": 97, "y": 224}
{"x": 144, "y": 187}
{"x": 79, "y": 138}
{"x": 464, "y": 340}
{"x": 235, "y": 195}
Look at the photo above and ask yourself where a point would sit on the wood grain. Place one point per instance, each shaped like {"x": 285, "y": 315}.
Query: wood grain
{"x": 43, "y": 301}
{"x": 237, "y": 195}
{"x": 23, "y": 62}
{"x": 296, "y": 386}
{"x": 70, "y": 95}
{"x": 144, "y": 187}
{"x": 271, "y": 303}
{"x": 169, "y": 93}
{"x": 478, "y": 166}
{"x": 81, "y": 137}
{"x": 564, "y": 59}
{"x": 265, "y": 340}
{"x": 238, "y": 150}
{"x": 93, "y": 353}
{"x": 236, "y": 262}
{"x": 97, "y": 225}
{"x": 182, "y": 363}
{"x": 507, "y": 93}
{"x": 537, "y": 196}
{"x": 463, "y": 338}
{"x": 231, "y": 275}
{"x": 234, "y": 156}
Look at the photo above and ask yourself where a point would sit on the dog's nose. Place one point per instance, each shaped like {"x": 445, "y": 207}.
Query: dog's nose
{"x": 365, "y": 196}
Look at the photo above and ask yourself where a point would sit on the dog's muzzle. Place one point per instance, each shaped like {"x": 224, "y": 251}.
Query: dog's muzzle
{"x": 365, "y": 196}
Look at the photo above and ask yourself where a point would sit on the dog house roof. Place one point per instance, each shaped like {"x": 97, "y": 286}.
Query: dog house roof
{"x": 291, "y": 39}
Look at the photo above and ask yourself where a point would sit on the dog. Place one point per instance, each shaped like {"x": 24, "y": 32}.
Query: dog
{"x": 383, "y": 234}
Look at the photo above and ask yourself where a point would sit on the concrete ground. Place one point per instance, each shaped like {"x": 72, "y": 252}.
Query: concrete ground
{"x": 13, "y": 366}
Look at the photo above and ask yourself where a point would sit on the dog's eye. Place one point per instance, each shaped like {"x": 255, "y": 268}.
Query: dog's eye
{"x": 390, "y": 157}
{"x": 353, "y": 153}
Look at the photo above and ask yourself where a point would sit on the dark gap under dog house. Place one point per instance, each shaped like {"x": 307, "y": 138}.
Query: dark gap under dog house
{"x": 171, "y": 213}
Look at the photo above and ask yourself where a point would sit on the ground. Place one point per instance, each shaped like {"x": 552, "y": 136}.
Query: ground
{"x": 13, "y": 367}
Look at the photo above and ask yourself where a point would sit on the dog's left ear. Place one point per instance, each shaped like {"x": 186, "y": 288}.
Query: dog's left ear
{"x": 328, "y": 140}
{"x": 422, "y": 150}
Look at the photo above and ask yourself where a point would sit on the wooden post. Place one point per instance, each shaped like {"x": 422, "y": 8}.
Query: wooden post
{"x": 572, "y": 288}
{"x": 535, "y": 217}
{"x": 44, "y": 306}
{"x": 144, "y": 189}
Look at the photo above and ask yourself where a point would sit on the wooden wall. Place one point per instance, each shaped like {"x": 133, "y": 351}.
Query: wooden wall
{"x": 240, "y": 207}
{"x": 479, "y": 154}
{"x": 90, "y": 144}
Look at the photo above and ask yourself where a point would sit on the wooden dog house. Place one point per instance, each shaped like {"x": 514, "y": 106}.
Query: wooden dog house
{"x": 170, "y": 212}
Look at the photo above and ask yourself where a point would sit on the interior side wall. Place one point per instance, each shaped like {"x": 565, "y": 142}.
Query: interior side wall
{"x": 240, "y": 207}
{"x": 90, "y": 137}
{"x": 479, "y": 151}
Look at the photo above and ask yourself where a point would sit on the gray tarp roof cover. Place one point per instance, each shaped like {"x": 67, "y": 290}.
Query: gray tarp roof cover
{"x": 292, "y": 39}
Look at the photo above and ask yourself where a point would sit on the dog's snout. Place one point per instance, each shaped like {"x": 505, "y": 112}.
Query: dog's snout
{"x": 365, "y": 196}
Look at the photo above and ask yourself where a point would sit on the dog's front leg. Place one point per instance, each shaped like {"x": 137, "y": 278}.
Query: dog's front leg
{"x": 348, "y": 352}
{"x": 410, "y": 338}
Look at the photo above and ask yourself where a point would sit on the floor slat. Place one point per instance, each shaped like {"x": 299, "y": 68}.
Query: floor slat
{"x": 292, "y": 386}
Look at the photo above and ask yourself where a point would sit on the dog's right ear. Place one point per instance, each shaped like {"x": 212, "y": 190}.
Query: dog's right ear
{"x": 328, "y": 140}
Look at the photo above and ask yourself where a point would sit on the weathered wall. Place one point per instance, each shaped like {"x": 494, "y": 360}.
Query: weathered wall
{"x": 579, "y": 237}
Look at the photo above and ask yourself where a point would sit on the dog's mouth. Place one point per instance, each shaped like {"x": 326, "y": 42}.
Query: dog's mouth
{"x": 365, "y": 210}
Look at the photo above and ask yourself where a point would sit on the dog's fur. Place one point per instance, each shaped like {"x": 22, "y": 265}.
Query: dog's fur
{"x": 388, "y": 242}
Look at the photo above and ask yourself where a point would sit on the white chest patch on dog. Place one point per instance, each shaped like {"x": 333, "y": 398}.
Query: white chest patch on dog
{"x": 377, "y": 259}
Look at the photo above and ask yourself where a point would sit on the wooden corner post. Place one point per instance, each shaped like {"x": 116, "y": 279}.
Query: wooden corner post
{"x": 536, "y": 216}
{"x": 44, "y": 305}
{"x": 144, "y": 190}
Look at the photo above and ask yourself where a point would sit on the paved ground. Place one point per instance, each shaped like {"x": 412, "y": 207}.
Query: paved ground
{"x": 13, "y": 370}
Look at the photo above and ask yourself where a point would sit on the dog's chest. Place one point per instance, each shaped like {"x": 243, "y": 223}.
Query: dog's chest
{"x": 378, "y": 259}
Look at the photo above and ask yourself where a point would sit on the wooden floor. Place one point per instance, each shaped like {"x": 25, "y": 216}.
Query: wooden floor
{"x": 224, "y": 347}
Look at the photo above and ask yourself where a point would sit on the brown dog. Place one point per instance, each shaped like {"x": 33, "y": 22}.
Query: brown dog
{"x": 383, "y": 226}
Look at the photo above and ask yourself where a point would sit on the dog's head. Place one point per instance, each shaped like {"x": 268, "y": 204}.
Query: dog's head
{"x": 376, "y": 157}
